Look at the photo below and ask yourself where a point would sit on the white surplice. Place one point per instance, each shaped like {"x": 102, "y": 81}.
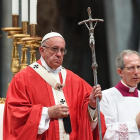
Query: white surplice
{"x": 120, "y": 113}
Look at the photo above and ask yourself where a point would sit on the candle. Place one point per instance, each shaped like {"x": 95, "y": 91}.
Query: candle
{"x": 15, "y": 7}
{"x": 33, "y": 11}
{"x": 24, "y": 10}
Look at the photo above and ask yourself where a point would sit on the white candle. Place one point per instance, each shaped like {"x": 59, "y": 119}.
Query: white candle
{"x": 15, "y": 7}
{"x": 24, "y": 10}
{"x": 33, "y": 11}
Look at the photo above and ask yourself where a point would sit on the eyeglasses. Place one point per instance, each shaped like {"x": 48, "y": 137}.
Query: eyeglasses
{"x": 132, "y": 68}
{"x": 56, "y": 50}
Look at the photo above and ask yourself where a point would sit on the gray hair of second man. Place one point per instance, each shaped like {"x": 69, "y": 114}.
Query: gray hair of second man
{"x": 120, "y": 58}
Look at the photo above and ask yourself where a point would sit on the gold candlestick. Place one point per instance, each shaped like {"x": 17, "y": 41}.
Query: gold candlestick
{"x": 25, "y": 27}
{"x": 15, "y": 65}
{"x": 28, "y": 42}
{"x": 12, "y": 30}
{"x": 33, "y": 43}
{"x": 33, "y": 52}
{"x": 32, "y": 30}
{"x": 24, "y": 49}
{"x": 15, "y": 55}
{"x": 23, "y": 58}
{"x": 15, "y": 20}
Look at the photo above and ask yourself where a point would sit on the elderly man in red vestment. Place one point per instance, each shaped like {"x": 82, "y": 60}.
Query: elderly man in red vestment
{"x": 45, "y": 101}
{"x": 120, "y": 105}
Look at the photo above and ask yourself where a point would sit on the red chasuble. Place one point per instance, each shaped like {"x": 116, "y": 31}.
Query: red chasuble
{"x": 125, "y": 92}
{"x": 28, "y": 93}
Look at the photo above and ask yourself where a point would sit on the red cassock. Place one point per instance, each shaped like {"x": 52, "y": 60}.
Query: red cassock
{"x": 103, "y": 128}
{"x": 26, "y": 96}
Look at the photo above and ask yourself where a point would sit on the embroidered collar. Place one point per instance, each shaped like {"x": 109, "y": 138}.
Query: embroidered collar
{"x": 48, "y": 68}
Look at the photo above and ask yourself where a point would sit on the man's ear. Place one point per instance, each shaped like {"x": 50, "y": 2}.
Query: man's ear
{"x": 41, "y": 50}
{"x": 119, "y": 71}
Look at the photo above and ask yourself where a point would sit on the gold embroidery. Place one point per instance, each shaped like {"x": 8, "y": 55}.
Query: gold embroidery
{"x": 2, "y": 100}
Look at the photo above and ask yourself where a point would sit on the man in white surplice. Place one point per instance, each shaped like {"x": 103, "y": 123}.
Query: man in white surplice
{"x": 120, "y": 105}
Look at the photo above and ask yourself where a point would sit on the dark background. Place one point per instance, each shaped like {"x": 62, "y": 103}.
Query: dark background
{"x": 116, "y": 33}
{"x": 63, "y": 16}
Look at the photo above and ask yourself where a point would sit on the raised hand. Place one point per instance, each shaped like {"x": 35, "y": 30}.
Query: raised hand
{"x": 96, "y": 92}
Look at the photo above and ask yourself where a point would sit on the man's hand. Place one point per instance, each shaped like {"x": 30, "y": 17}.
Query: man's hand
{"x": 138, "y": 120}
{"x": 58, "y": 111}
{"x": 96, "y": 92}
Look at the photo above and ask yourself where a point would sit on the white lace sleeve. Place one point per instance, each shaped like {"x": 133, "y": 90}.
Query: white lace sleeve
{"x": 44, "y": 122}
{"x": 94, "y": 121}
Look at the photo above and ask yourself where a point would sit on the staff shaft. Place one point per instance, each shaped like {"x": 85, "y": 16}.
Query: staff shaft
{"x": 94, "y": 63}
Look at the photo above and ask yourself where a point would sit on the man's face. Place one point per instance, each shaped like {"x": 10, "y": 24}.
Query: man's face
{"x": 131, "y": 73}
{"x": 52, "y": 58}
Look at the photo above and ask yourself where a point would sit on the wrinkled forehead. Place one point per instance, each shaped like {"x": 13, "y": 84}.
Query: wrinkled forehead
{"x": 131, "y": 59}
{"x": 55, "y": 41}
